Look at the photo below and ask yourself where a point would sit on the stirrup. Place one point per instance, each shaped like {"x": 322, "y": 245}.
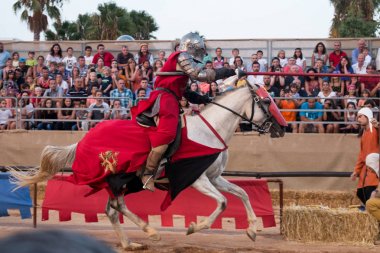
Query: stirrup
{"x": 145, "y": 187}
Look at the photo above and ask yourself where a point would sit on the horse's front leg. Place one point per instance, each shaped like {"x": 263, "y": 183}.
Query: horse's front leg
{"x": 113, "y": 215}
{"x": 203, "y": 185}
{"x": 224, "y": 185}
{"x": 151, "y": 232}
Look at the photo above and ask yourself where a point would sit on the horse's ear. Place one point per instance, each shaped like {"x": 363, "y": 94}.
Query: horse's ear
{"x": 253, "y": 87}
{"x": 231, "y": 81}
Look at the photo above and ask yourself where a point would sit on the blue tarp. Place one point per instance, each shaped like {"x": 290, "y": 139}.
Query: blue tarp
{"x": 19, "y": 199}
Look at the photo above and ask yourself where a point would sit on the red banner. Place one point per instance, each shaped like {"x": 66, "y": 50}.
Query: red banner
{"x": 66, "y": 198}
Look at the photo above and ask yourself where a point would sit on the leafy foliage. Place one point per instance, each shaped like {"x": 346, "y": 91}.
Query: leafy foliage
{"x": 36, "y": 12}
{"x": 354, "y": 18}
{"x": 356, "y": 26}
{"x": 108, "y": 23}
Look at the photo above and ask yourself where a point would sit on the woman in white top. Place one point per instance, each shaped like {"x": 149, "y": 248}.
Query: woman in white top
{"x": 300, "y": 60}
{"x": 319, "y": 53}
{"x": 55, "y": 54}
{"x": 326, "y": 92}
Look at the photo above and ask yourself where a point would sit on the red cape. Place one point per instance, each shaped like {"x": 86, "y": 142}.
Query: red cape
{"x": 116, "y": 146}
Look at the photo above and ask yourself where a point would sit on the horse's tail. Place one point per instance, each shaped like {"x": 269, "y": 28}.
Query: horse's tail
{"x": 53, "y": 159}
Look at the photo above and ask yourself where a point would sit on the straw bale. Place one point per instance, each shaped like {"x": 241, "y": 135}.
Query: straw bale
{"x": 332, "y": 199}
{"x": 323, "y": 224}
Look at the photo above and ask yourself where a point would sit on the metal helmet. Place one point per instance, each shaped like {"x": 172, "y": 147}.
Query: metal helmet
{"x": 194, "y": 45}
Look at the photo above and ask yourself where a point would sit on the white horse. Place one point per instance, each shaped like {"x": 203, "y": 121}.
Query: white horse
{"x": 242, "y": 101}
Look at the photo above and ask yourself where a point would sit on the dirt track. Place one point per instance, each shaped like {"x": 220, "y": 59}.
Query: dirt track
{"x": 174, "y": 239}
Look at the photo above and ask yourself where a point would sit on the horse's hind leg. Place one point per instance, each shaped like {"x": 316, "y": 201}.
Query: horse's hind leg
{"x": 151, "y": 232}
{"x": 113, "y": 215}
{"x": 223, "y": 185}
{"x": 203, "y": 185}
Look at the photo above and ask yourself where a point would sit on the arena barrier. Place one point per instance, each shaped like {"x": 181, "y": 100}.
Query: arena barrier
{"x": 190, "y": 203}
{"x": 19, "y": 199}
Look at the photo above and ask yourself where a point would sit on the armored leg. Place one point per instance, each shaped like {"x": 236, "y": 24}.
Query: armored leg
{"x": 152, "y": 164}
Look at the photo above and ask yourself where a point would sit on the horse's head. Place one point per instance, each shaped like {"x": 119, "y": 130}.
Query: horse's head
{"x": 263, "y": 111}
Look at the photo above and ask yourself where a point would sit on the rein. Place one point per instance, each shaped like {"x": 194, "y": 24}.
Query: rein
{"x": 263, "y": 128}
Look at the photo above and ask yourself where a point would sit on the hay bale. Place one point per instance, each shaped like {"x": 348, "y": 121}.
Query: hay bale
{"x": 323, "y": 224}
{"x": 328, "y": 198}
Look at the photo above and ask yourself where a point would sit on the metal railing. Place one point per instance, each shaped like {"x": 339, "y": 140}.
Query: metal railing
{"x": 34, "y": 119}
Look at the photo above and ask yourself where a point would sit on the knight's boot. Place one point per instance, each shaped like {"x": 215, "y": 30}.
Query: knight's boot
{"x": 152, "y": 164}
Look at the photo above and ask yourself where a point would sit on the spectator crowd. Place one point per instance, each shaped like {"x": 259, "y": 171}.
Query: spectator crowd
{"x": 62, "y": 92}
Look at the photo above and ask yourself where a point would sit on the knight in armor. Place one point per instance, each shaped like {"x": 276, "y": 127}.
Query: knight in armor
{"x": 162, "y": 109}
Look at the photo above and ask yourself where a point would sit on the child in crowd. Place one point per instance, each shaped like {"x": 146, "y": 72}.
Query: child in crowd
{"x": 106, "y": 84}
{"x": 294, "y": 90}
{"x": 365, "y": 95}
{"x": 36, "y": 99}
{"x": 9, "y": 98}
{"x": 354, "y": 82}
{"x": 87, "y": 55}
{"x": 15, "y": 59}
{"x": 289, "y": 103}
{"x": 337, "y": 86}
{"x": 300, "y": 60}
{"x": 368, "y": 58}
{"x": 351, "y": 97}
{"x": 69, "y": 60}
{"x": 31, "y": 62}
{"x": 263, "y": 62}
{"x": 91, "y": 98}
{"x": 147, "y": 71}
{"x": 37, "y": 71}
{"x": 350, "y": 119}
{"x": 53, "y": 69}
{"x": 10, "y": 84}
{"x": 92, "y": 82}
{"x": 62, "y": 69}
{"x": 8, "y": 67}
{"x": 5, "y": 116}
{"x": 81, "y": 115}
{"x": 283, "y": 59}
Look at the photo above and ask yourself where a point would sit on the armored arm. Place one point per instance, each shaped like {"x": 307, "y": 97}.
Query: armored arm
{"x": 196, "y": 98}
{"x": 191, "y": 67}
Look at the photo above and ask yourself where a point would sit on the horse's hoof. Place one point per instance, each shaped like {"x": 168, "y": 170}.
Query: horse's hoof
{"x": 251, "y": 234}
{"x": 191, "y": 228}
{"x": 155, "y": 237}
{"x": 135, "y": 246}
{"x": 152, "y": 234}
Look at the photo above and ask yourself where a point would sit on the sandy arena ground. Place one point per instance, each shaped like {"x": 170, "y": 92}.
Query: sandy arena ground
{"x": 174, "y": 240}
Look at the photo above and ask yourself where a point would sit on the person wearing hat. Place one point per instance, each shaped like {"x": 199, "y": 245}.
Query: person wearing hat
{"x": 369, "y": 143}
{"x": 22, "y": 66}
{"x": 144, "y": 55}
{"x": 373, "y": 204}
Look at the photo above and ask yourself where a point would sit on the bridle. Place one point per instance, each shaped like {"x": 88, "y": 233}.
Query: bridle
{"x": 263, "y": 104}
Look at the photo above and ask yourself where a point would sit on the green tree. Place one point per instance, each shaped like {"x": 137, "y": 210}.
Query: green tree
{"x": 346, "y": 12}
{"x": 355, "y": 26}
{"x": 64, "y": 31}
{"x": 36, "y": 13}
{"x": 108, "y": 23}
{"x": 144, "y": 25}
